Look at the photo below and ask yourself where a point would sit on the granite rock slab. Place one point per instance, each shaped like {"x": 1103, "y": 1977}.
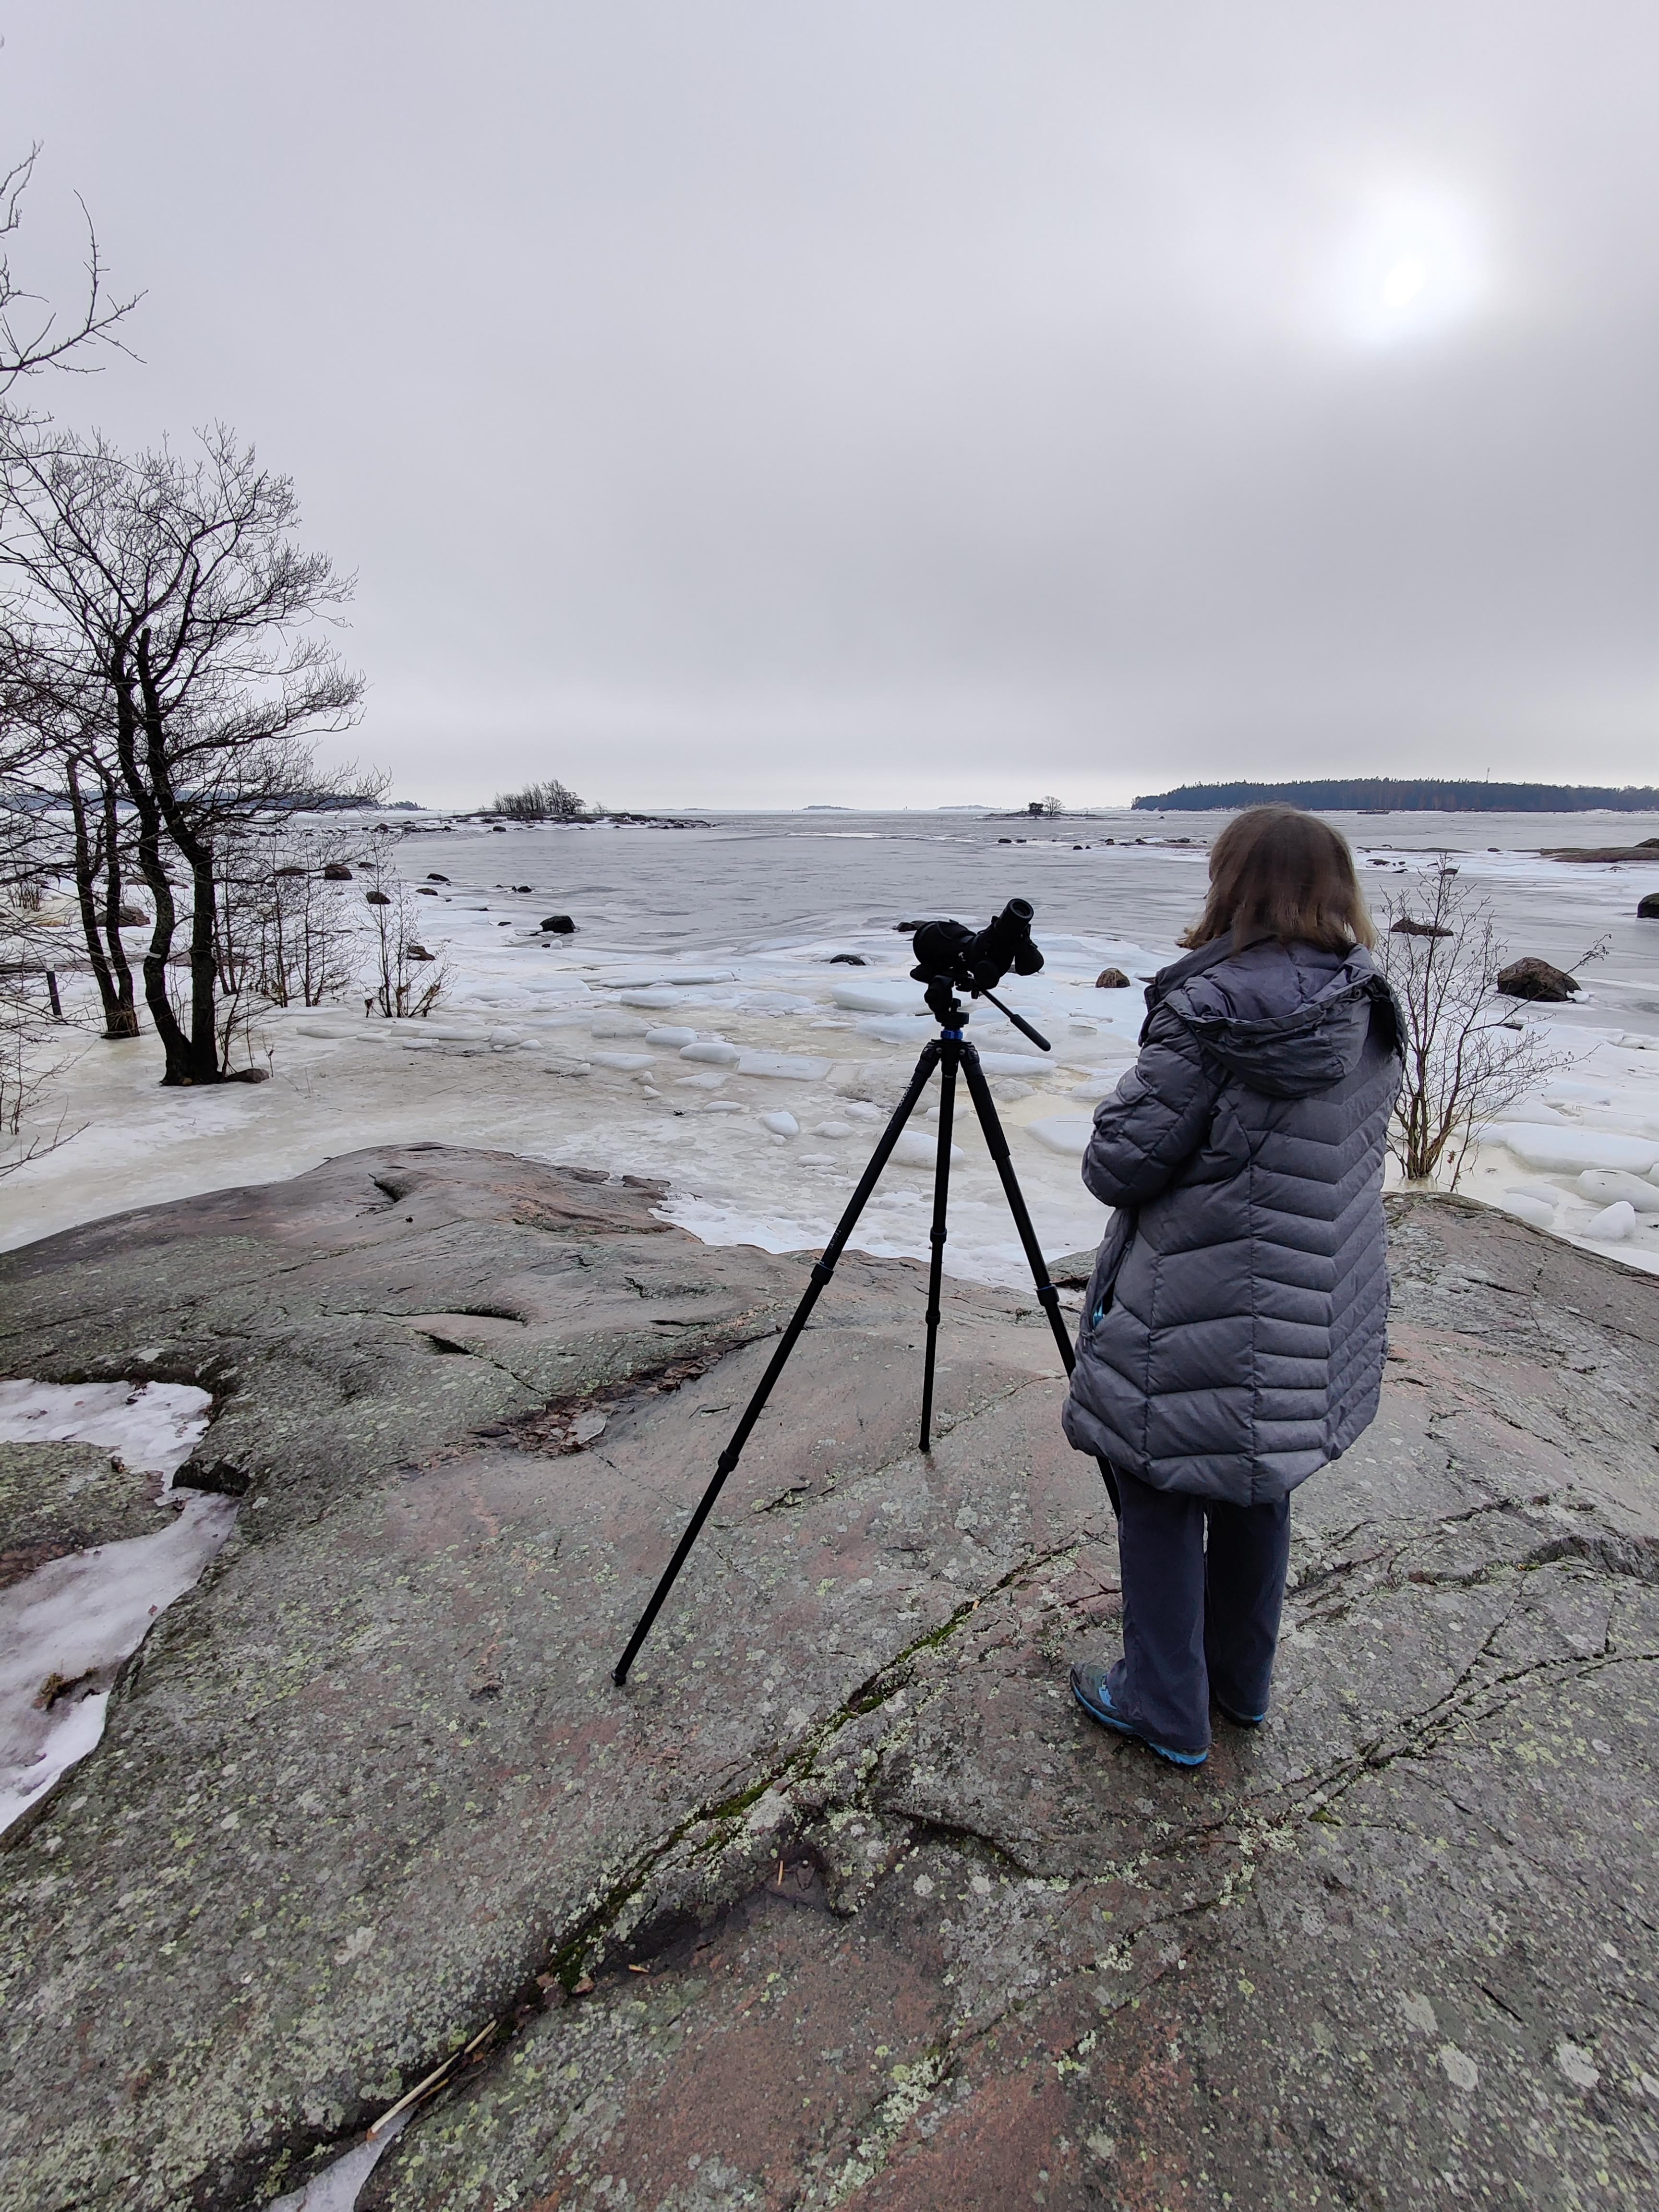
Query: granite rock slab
{"x": 841, "y": 1901}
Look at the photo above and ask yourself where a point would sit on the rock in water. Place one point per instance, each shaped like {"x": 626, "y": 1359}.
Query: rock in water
{"x": 1409, "y": 926}
{"x": 1647, "y": 907}
{"x": 337, "y": 873}
{"x": 1533, "y": 978}
{"x": 558, "y": 925}
{"x": 1111, "y": 978}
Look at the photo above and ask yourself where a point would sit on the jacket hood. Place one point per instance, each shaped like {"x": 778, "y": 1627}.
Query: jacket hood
{"x": 1285, "y": 1019}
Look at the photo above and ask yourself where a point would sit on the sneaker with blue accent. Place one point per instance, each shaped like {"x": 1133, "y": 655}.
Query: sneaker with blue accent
{"x": 1239, "y": 1720}
{"x": 1089, "y": 1688}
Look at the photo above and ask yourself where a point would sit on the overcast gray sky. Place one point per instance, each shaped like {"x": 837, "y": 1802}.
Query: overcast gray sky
{"x": 748, "y": 402}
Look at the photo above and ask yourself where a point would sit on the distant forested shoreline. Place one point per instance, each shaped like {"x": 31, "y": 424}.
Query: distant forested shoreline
{"x": 1389, "y": 794}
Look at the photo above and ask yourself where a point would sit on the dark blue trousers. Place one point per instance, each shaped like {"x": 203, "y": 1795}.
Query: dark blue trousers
{"x": 1201, "y": 1621}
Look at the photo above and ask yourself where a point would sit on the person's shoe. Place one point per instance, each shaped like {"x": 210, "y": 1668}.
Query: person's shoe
{"x": 1239, "y": 1720}
{"x": 1089, "y": 1688}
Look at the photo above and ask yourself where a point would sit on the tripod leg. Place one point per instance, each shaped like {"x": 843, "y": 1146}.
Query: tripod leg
{"x": 822, "y": 1271}
{"x": 1048, "y": 1296}
{"x": 947, "y": 1094}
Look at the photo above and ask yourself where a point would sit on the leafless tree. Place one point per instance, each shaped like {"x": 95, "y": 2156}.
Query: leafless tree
{"x": 1467, "y": 1057}
{"x": 173, "y": 591}
{"x": 32, "y": 336}
{"x": 35, "y": 337}
{"x": 54, "y": 766}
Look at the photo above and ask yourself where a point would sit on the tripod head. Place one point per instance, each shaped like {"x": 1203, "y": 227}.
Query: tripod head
{"x": 951, "y": 958}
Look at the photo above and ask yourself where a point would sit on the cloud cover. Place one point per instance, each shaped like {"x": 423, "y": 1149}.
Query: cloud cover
{"x": 758, "y": 403}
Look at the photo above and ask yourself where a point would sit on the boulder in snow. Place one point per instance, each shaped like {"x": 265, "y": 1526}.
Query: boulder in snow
{"x": 1533, "y": 978}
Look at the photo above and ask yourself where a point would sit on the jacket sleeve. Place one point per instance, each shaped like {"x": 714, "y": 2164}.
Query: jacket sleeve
{"x": 1156, "y": 1119}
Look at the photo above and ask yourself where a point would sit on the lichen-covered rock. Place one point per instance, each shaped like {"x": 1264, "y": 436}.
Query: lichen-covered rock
{"x": 59, "y": 1497}
{"x": 840, "y": 1900}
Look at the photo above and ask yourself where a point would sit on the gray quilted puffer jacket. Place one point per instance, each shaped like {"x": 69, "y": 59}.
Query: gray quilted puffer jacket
{"x": 1233, "y": 1338}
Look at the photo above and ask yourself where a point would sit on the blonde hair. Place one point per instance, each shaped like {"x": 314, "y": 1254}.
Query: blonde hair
{"x": 1276, "y": 871}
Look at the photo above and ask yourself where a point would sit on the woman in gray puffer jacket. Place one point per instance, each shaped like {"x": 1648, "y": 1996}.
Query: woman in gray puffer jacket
{"x": 1232, "y": 1340}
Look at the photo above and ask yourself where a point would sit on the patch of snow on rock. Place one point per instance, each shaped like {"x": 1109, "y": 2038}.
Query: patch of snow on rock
{"x": 153, "y": 1427}
{"x": 64, "y": 1631}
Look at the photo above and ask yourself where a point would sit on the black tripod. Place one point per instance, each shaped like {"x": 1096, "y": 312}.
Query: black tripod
{"x": 948, "y": 1052}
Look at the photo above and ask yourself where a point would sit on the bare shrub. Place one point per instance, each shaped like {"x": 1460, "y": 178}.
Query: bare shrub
{"x": 283, "y": 931}
{"x": 405, "y": 978}
{"x": 1468, "y": 1057}
{"x": 540, "y": 802}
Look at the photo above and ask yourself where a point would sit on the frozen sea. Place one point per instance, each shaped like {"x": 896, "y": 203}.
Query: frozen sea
{"x": 759, "y": 883}
{"x": 698, "y": 1027}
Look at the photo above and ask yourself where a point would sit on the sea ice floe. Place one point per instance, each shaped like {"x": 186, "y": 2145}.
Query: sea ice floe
{"x": 627, "y": 1062}
{"x": 893, "y": 1029}
{"x": 1604, "y": 1185}
{"x": 1613, "y": 1223}
{"x": 659, "y": 999}
{"x": 715, "y": 1050}
{"x": 783, "y": 1067}
{"x": 780, "y": 1124}
{"x": 1013, "y": 1062}
{"x": 833, "y": 1129}
{"x": 1061, "y": 1134}
{"x": 666, "y": 976}
{"x": 873, "y": 998}
{"x": 914, "y": 1151}
{"x": 671, "y": 1035}
{"x": 1567, "y": 1149}
{"x": 1538, "y": 1212}
{"x": 1566, "y": 1091}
